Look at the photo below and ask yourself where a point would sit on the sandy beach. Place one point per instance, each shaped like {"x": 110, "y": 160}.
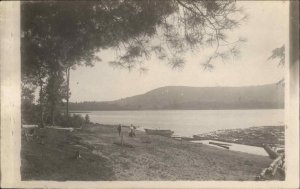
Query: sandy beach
{"x": 144, "y": 157}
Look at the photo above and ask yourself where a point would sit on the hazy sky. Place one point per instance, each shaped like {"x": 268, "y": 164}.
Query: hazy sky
{"x": 266, "y": 29}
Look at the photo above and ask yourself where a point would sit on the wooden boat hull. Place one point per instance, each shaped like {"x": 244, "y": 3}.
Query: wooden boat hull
{"x": 166, "y": 133}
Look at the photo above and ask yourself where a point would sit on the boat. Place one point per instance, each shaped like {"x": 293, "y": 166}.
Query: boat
{"x": 166, "y": 133}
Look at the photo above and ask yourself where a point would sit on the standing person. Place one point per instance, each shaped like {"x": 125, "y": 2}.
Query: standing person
{"x": 119, "y": 129}
{"x": 132, "y": 132}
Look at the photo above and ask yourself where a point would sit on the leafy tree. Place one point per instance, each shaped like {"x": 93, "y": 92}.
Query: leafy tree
{"x": 60, "y": 35}
{"x": 278, "y": 54}
{"x": 27, "y": 100}
{"x": 55, "y": 93}
{"x": 191, "y": 26}
{"x": 34, "y": 72}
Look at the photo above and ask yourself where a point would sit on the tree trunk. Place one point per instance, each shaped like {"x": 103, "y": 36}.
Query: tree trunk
{"x": 52, "y": 114}
{"x": 52, "y": 98}
{"x": 41, "y": 106}
{"x": 41, "y": 124}
{"x": 68, "y": 82}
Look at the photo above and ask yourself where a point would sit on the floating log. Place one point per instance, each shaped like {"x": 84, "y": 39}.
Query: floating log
{"x": 182, "y": 138}
{"x": 223, "y": 144}
{"x": 219, "y": 144}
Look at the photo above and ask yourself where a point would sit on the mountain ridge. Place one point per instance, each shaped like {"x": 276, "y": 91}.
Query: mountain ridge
{"x": 268, "y": 96}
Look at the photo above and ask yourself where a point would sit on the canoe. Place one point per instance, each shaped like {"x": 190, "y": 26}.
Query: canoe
{"x": 166, "y": 133}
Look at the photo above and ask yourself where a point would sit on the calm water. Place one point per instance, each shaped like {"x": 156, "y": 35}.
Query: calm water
{"x": 190, "y": 122}
{"x": 237, "y": 147}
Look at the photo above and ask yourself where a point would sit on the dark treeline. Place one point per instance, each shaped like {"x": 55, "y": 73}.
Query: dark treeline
{"x": 94, "y": 106}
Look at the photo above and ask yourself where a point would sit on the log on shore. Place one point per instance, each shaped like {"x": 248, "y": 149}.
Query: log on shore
{"x": 277, "y": 164}
{"x": 272, "y": 154}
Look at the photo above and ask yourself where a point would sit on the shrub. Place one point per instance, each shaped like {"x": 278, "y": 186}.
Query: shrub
{"x": 74, "y": 120}
{"x": 29, "y": 113}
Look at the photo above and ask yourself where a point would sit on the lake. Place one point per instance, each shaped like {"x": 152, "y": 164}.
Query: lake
{"x": 190, "y": 122}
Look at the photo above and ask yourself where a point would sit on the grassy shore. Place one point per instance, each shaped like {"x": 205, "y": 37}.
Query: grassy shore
{"x": 144, "y": 157}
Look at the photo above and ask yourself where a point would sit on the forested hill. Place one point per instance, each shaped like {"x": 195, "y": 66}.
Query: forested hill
{"x": 269, "y": 96}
